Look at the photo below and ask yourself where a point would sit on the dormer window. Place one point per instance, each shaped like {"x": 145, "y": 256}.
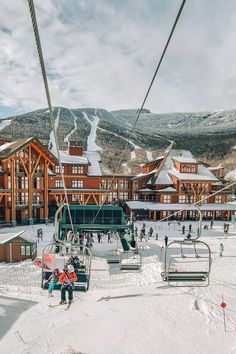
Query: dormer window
{"x": 188, "y": 168}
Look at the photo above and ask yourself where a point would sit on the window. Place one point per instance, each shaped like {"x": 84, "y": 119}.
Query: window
{"x": 57, "y": 169}
{"x": 182, "y": 199}
{"x": 77, "y": 169}
{"x": 124, "y": 196}
{"x": 77, "y": 184}
{"x": 124, "y": 184}
{"x": 25, "y": 250}
{"x": 58, "y": 183}
{"x": 188, "y": 168}
{"x": 166, "y": 198}
{"x": 218, "y": 199}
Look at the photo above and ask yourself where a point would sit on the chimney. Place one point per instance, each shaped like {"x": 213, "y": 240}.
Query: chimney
{"x": 75, "y": 148}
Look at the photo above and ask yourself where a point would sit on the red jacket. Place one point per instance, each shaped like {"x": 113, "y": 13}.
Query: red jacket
{"x": 64, "y": 278}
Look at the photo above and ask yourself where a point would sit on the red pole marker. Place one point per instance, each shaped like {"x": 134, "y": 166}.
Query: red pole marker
{"x": 223, "y": 306}
{"x": 176, "y": 270}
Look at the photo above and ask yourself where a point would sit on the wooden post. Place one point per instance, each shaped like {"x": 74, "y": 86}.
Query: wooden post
{"x": 13, "y": 193}
{"x": 45, "y": 201}
{"x": 155, "y": 215}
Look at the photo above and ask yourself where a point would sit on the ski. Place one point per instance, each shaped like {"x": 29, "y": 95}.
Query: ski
{"x": 68, "y": 306}
{"x": 52, "y": 306}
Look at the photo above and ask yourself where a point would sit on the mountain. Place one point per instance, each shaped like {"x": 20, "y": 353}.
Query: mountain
{"x": 210, "y": 136}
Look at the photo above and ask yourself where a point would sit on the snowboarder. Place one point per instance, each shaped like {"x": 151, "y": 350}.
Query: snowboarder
{"x": 53, "y": 281}
{"x": 189, "y": 236}
{"x": 67, "y": 279}
{"x": 183, "y": 229}
{"x": 221, "y": 249}
{"x": 166, "y": 241}
{"x": 190, "y": 228}
{"x": 156, "y": 236}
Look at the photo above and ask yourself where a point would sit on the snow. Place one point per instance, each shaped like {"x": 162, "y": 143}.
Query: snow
{"x": 231, "y": 176}
{"x": 125, "y": 312}
{"x": 93, "y": 149}
{"x": 149, "y": 156}
{"x": 185, "y": 159}
{"x": 5, "y": 237}
{"x": 52, "y": 143}
{"x": 5, "y": 123}
{"x": 192, "y": 176}
{"x": 136, "y": 205}
{"x": 73, "y": 130}
{"x": 73, "y": 159}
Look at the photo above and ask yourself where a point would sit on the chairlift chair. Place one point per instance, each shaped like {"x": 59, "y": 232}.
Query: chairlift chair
{"x": 131, "y": 260}
{"x": 52, "y": 259}
{"x": 191, "y": 266}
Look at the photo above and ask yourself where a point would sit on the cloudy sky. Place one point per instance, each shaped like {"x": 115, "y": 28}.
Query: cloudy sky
{"x": 102, "y": 53}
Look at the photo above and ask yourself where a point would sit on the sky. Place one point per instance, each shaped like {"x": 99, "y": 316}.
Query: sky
{"x": 103, "y": 54}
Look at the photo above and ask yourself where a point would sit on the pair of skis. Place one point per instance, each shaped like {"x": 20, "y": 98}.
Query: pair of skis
{"x": 57, "y": 305}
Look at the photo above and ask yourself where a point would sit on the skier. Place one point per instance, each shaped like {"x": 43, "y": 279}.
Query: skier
{"x": 221, "y": 249}
{"x": 67, "y": 279}
{"x": 212, "y": 222}
{"x": 183, "y": 229}
{"x": 109, "y": 237}
{"x": 166, "y": 240}
{"x": 150, "y": 232}
{"x": 99, "y": 237}
{"x": 142, "y": 232}
{"x": 190, "y": 228}
{"x": 156, "y": 236}
{"x": 53, "y": 281}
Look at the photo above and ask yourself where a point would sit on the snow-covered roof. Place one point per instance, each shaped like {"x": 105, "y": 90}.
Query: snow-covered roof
{"x": 6, "y": 237}
{"x": 73, "y": 159}
{"x": 168, "y": 190}
{"x": 183, "y": 159}
{"x": 145, "y": 190}
{"x": 192, "y": 176}
{"x": 137, "y": 205}
{"x": 231, "y": 176}
{"x": 162, "y": 178}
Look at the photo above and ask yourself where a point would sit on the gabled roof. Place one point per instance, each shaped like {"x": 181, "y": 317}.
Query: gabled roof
{"x": 6, "y": 237}
{"x": 183, "y": 159}
{"x": 10, "y": 148}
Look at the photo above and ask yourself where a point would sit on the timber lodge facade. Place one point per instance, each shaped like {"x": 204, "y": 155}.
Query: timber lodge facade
{"x": 31, "y": 187}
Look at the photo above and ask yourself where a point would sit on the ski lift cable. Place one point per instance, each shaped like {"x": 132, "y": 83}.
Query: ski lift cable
{"x": 199, "y": 202}
{"x": 142, "y": 106}
{"x": 47, "y": 92}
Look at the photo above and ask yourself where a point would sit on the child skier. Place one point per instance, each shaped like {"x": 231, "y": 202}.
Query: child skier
{"x": 53, "y": 281}
{"x": 67, "y": 279}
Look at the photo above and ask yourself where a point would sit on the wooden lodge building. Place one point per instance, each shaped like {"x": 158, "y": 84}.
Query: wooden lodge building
{"x": 31, "y": 187}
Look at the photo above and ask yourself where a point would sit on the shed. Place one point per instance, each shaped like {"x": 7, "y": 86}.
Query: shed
{"x": 14, "y": 247}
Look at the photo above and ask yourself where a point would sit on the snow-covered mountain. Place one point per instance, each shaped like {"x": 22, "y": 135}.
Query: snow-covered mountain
{"x": 209, "y": 135}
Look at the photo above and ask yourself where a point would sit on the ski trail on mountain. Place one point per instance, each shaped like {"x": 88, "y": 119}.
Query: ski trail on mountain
{"x": 52, "y": 143}
{"x": 93, "y": 149}
{"x": 66, "y": 140}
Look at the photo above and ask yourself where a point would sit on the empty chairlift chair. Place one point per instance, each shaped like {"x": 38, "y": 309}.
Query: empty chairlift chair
{"x": 131, "y": 260}
{"x": 187, "y": 262}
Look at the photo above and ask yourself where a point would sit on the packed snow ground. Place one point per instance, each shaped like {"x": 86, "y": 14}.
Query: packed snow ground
{"x": 125, "y": 312}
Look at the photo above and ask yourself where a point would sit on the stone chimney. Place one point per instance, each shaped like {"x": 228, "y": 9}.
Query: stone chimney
{"x": 75, "y": 148}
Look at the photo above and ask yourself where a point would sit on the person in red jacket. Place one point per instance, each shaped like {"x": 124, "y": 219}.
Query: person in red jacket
{"x": 67, "y": 279}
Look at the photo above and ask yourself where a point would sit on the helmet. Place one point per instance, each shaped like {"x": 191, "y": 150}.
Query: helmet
{"x": 70, "y": 268}
{"x": 56, "y": 270}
